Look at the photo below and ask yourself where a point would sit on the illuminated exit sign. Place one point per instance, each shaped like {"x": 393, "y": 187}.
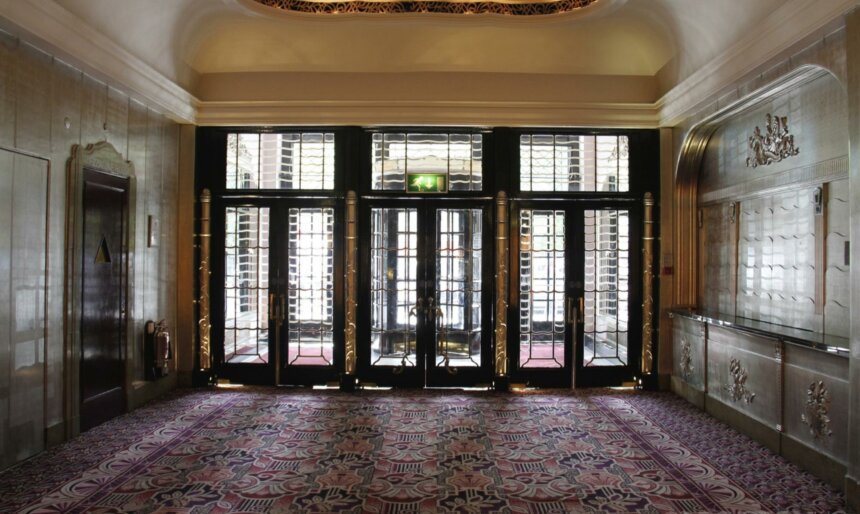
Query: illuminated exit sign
{"x": 427, "y": 183}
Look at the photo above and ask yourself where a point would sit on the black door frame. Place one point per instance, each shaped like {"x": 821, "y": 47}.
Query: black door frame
{"x": 264, "y": 374}
{"x": 425, "y": 373}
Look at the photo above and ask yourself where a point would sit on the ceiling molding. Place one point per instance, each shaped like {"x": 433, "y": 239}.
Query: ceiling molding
{"x": 426, "y": 113}
{"x": 791, "y": 23}
{"x": 72, "y": 39}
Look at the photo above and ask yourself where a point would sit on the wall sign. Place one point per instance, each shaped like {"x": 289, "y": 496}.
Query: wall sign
{"x": 427, "y": 183}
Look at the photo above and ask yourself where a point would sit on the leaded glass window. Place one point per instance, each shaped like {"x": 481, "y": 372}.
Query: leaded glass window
{"x": 399, "y": 156}
{"x": 291, "y": 161}
{"x": 574, "y": 163}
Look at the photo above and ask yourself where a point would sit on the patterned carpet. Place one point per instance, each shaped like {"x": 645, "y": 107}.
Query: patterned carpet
{"x": 268, "y": 450}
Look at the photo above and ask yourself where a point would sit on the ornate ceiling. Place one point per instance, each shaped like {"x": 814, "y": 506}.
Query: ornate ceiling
{"x": 503, "y": 7}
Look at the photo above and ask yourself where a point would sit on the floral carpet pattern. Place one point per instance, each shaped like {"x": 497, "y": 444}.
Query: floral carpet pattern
{"x": 282, "y": 451}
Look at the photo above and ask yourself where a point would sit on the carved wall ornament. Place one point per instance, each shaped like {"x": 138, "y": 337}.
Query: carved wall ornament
{"x": 773, "y": 146}
{"x": 686, "y": 358}
{"x": 817, "y": 408}
{"x": 737, "y": 389}
{"x": 509, "y": 8}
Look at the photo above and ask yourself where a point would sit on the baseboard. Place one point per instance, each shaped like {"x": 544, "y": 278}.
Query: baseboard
{"x": 144, "y": 391}
{"x": 55, "y": 434}
{"x": 753, "y": 428}
{"x": 682, "y": 389}
{"x": 852, "y": 493}
{"x": 664, "y": 382}
{"x": 184, "y": 378}
{"x": 817, "y": 463}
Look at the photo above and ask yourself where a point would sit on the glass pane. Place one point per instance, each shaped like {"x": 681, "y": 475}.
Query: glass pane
{"x": 310, "y": 287}
{"x": 393, "y": 286}
{"x": 458, "y": 287}
{"x": 280, "y": 161}
{"x": 574, "y": 163}
{"x": 395, "y": 155}
{"x": 607, "y": 287}
{"x": 542, "y": 277}
{"x": 246, "y": 285}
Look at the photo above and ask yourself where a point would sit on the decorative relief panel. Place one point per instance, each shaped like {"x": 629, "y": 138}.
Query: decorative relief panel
{"x": 737, "y": 389}
{"x": 817, "y": 393}
{"x": 688, "y": 352}
{"x": 774, "y": 145}
{"x": 817, "y": 416}
{"x": 686, "y": 358}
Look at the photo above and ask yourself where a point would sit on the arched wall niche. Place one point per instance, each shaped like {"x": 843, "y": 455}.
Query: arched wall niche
{"x": 711, "y": 173}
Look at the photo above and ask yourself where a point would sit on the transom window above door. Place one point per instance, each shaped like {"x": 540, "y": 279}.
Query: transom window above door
{"x": 565, "y": 163}
{"x": 297, "y": 161}
{"x": 416, "y": 162}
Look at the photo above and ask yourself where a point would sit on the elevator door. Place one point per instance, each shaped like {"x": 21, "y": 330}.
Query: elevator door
{"x": 427, "y": 300}
{"x": 574, "y": 321}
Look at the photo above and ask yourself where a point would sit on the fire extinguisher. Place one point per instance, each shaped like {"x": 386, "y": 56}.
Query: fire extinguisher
{"x": 158, "y": 351}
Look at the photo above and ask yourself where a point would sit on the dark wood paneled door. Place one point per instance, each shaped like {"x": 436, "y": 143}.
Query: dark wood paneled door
{"x": 103, "y": 301}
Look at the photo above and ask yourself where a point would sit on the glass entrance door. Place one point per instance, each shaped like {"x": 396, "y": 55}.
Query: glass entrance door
{"x": 281, "y": 315}
{"x": 572, "y": 278}
{"x": 427, "y": 294}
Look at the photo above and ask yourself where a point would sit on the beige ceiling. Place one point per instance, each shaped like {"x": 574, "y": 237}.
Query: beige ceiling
{"x": 187, "y": 39}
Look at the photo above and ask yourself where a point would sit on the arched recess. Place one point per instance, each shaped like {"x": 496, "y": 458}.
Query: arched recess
{"x": 689, "y": 166}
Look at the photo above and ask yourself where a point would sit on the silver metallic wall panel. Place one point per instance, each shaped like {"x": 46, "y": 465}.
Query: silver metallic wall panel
{"x": 776, "y": 260}
{"x": 744, "y": 372}
{"x": 689, "y": 351}
{"x": 719, "y": 259}
{"x": 836, "y": 290}
{"x": 816, "y": 400}
{"x": 817, "y": 118}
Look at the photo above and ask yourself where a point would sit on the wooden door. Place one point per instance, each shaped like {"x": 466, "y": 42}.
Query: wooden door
{"x": 105, "y": 223}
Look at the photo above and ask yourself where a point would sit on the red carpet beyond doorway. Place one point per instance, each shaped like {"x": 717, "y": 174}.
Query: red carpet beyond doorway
{"x": 270, "y": 450}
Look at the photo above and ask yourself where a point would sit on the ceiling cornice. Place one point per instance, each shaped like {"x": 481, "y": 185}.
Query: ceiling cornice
{"x": 792, "y": 22}
{"x": 592, "y": 114}
{"x": 71, "y": 38}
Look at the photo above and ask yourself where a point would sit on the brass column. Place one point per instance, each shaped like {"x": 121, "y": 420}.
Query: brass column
{"x": 501, "y": 328}
{"x": 351, "y": 289}
{"x": 648, "y": 286}
{"x": 203, "y": 324}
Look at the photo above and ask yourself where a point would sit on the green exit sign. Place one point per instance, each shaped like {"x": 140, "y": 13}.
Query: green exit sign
{"x": 427, "y": 183}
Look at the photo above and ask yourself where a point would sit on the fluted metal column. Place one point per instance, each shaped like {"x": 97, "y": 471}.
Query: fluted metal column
{"x": 648, "y": 286}
{"x": 351, "y": 283}
{"x": 204, "y": 325}
{"x": 501, "y": 328}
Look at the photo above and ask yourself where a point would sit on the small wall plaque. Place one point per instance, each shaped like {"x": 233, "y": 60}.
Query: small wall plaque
{"x": 152, "y": 230}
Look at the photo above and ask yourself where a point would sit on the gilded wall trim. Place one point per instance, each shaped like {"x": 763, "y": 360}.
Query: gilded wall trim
{"x": 467, "y": 7}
